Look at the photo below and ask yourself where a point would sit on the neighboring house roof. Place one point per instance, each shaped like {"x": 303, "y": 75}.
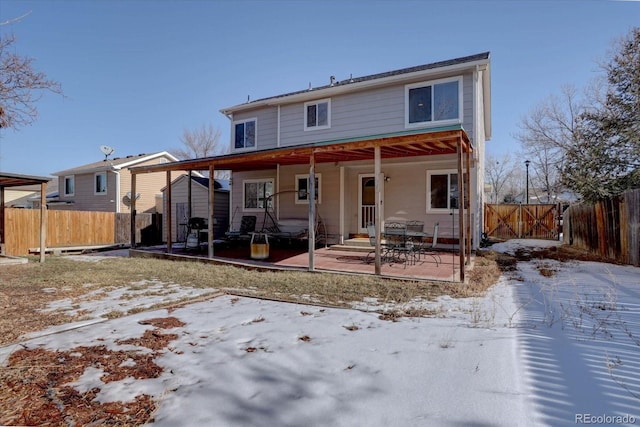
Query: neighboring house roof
{"x": 218, "y": 184}
{"x": 117, "y": 163}
{"x": 358, "y": 83}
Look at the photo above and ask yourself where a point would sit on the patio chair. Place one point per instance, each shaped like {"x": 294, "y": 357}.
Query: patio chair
{"x": 384, "y": 246}
{"x": 247, "y": 226}
{"x": 430, "y": 249}
{"x": 399, "y": 245}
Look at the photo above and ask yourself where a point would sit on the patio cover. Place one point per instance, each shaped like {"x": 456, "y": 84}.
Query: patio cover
{"x": 15, "y": 180}
{"x": 422, "y": 142}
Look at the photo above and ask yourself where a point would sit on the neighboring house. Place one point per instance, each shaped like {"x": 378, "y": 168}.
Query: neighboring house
{"x": 540, "y": 196}
{"x": 180, "y": 212}
{"x": 389, "y": 146}
{"x": 106, "y": 185}
{"x": 28, "y": 196}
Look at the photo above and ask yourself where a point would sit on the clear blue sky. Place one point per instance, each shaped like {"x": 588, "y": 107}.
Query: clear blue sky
{"x": 136, "y": 73}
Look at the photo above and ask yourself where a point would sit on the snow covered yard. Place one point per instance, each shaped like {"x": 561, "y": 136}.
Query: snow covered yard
{"x": 551, "y": 344}
{"x": 579, "y": 339}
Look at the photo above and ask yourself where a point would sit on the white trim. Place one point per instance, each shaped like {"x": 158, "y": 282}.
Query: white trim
{"x": 146, "y": 159}
{"x": 64, "y": 185}
{"x": 118, "y": 192}
{"x": 106, "y": 184}
{"x": 278, "y": 129}
{"x": 298, "y": 177}
{"x": 342, "y": 205}
{"x": 434, "y": 123}
{"x": 246, "y": 181}
{"x": 447, "y": 172}
{"x": 359, "y": 207}
{"x": 316, "y": 103}
{"x": 233, "y": 135}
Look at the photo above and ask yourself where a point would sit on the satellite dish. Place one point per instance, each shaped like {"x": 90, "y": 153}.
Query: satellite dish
{"x": 106, "y": 150}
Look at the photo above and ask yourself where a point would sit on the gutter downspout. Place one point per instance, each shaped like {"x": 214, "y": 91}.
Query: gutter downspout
{"x": 118, "y": 190}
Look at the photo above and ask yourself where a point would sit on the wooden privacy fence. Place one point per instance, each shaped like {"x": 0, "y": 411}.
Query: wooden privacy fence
{"x": 610, "y": 228}
{"x": 521, "y": 221}
{"x": 75, "y": 228}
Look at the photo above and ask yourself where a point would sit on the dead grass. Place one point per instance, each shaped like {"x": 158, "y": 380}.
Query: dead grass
{"x": 26, "y": 288}
{"x": 35, "y": 382}
{"x": 36, "y": 385}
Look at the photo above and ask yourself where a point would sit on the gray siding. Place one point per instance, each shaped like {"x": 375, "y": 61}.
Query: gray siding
{"x": 266, "y": 130}
{"x": 365, "y": 113}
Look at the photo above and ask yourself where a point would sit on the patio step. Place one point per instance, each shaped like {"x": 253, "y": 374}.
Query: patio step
{"x": 354, "y": 245}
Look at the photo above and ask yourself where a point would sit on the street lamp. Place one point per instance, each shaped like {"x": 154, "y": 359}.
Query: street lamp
{"x": 526, "y": 163}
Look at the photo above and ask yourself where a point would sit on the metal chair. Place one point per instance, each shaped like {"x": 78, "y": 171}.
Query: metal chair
{"x": 430, "y": 249}
{"x": 384, "y": 247}
{"x": 400, "y": 247}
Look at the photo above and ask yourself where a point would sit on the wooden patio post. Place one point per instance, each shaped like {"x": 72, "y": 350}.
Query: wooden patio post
{"x": 461, "y": 202}
{"x": 468, "y": 205}
{"x": 43, "y": 220}
{"x": 210, "y": 226}
{"x": 133, "y": 211}
{"x": 2, "y": 234}
{"x": 189, "y": 214}
{"x": 311, "y": 186}
{"x": 168, "y": 214}
{"x": 377, "y": 171}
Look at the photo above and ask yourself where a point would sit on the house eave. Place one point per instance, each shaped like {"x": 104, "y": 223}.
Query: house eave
{"x": 433, "y": 141}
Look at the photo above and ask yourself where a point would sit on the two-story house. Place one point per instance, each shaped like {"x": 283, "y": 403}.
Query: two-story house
{"x": 105, "y": 185}
{"x": 413, "y": 115}
{"x": 399, "y": 145}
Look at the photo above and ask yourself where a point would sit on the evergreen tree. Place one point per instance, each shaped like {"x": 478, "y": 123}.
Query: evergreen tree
{"x": 605, "y": 160}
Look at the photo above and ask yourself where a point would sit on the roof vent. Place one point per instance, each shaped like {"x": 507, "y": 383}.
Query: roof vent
{"x": 332, "y": 79}
{"x": 309, "y": 85}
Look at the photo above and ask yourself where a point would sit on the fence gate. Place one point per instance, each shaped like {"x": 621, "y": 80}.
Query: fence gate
{"x": 521, "y": 221}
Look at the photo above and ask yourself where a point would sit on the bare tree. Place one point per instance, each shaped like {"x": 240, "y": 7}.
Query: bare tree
{"x": 548, "y": 133}
{"x": 21, "y": 86}
{"x": 199, "y": 143}
{"x": 590, "y": 144}
{"x": 498, "y": 173}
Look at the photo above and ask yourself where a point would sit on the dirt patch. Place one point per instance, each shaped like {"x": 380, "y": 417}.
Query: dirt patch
{"x": 560, "y": 253}
{"x": 36, "y": 384}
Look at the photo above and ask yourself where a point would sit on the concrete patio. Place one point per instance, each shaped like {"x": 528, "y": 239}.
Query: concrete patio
{"x": 329, "y": 259}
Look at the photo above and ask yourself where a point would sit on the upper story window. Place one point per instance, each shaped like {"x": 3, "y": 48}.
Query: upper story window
{"x": 256, "y": 192}
{"x": 302, "y": 188}
{"x": 69, "y": 185}
{"x": 438, "y": 103}
{"x": 244, "y": 134}
{"x": 100, "y": 180}
{"x": 317, "y": 114}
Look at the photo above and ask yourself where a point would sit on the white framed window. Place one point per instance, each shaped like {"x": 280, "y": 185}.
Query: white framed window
{"x": 100, "y": 183}
{"x": 317, "y": 114}
{"x": 438, "y": 102}
{"x": 255, "y": 193}
{"x": 302, "y": 188}
{"x": 245, "y": 134}
{"x": 442, "y": 190}
{"x": 69, "y": 185}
